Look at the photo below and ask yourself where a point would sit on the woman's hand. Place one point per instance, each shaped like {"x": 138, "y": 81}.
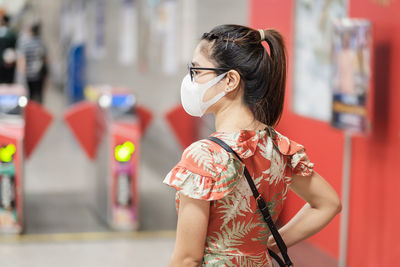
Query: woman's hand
{"x": 271, "y": 244}
{"x": 323, "y": 204}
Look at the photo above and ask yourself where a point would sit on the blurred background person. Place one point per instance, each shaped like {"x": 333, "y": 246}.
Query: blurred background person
{"x": 33, "y": 62}
{"x": 8, "y": 40}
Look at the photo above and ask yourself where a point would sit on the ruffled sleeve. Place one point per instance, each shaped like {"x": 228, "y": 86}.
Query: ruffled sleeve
{"x": 298, "y": 161}
{"x": 205, "y": 171}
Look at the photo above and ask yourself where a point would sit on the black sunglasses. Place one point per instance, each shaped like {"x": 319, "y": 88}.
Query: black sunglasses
{"x": 191, "y": 68}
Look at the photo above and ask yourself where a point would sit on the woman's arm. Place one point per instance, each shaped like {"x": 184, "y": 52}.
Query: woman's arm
{"x": 322, "y": 206}
{"x": 191, "y": 232}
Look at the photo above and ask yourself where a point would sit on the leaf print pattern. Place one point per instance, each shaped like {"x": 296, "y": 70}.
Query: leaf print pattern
{"x": 277, "y": 168}
{"x": 266, "y": 148}
{"x": 254, "y": 260}
{"x": 218, "y": 261}
{"x": 237, "y": 203}
{"x": 228, "y": 238}
{"x": 237, "y": 234}
{"x": 201, "y": 156}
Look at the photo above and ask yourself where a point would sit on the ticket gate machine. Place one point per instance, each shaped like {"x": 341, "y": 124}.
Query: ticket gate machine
{"x": 22, "y": 124}
{"x": 109, "y": 127}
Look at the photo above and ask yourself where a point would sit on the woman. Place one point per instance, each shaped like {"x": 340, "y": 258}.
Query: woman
{"x": 233, "y": 77}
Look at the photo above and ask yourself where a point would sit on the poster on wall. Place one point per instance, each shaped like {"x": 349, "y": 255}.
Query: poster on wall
{"x": 189, "y": 30}
{"x": 312, "y": 66}
{"x": 170, "y": 57}
{"x": 153, "y": 35}
{"x": 97, "y": 47}
{"x": 144, "y": 37}
{"x": 79, "y": 21}
{"x": 64, "y": 26}
{"x": 163, "y": 36}
{"x": 351, "y": 74}
{"x": 128, "y": 42}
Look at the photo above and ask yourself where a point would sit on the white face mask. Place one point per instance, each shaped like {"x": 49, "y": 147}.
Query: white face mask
{"x": 192, "y": 94}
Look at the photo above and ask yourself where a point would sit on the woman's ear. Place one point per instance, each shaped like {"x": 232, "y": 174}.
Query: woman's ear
{"x": 233, "y": 81}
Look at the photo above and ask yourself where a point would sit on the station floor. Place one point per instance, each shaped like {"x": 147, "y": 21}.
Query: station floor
{"x": 62, "y": 230}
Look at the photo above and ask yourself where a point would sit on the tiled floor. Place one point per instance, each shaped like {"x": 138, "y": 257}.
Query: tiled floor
{"x": 135, "y": 252}
{"x": 121, "y": 253}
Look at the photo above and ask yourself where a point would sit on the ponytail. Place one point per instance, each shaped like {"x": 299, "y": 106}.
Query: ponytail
{"x": 270, "y": 107}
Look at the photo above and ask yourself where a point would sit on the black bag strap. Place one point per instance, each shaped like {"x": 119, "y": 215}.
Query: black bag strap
{"x": 263, "y": 208}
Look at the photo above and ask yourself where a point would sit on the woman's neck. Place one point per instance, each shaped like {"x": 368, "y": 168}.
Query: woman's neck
{"x": 234, "y": 118}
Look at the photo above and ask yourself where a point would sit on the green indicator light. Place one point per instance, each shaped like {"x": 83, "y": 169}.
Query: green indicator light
{"x": 123, "y": 153}
{"x": 7, "y": 153}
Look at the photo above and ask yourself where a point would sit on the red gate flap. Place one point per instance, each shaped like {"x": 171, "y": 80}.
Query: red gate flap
{"x": 87, "y": 125}
{"x": 183, "y": 125}
{"x": 37, "y": 120}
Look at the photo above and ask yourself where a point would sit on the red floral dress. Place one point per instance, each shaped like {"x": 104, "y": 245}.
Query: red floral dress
{"x": 237, "y": 234}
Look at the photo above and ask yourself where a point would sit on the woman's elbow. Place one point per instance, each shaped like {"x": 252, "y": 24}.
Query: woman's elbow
{"x": 339, "y": 207}
{"x": 336, "y": 205}
{"x": 192, "y": 262}
{"x": 185, "y": 262}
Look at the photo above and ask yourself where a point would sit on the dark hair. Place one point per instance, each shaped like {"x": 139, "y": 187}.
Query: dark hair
{"x": 5, "y": 20}
{"x": 36, "y": 29}
{"x": 263, "y": 75}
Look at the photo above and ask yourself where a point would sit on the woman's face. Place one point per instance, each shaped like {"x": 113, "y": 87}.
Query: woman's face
{"x": 200, "y": 59}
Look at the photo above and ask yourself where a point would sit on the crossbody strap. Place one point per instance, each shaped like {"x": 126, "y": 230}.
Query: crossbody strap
{"x": 262, "y": 207}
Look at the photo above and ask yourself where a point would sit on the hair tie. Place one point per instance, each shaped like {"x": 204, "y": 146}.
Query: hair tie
{"x": 262, "y": 33}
